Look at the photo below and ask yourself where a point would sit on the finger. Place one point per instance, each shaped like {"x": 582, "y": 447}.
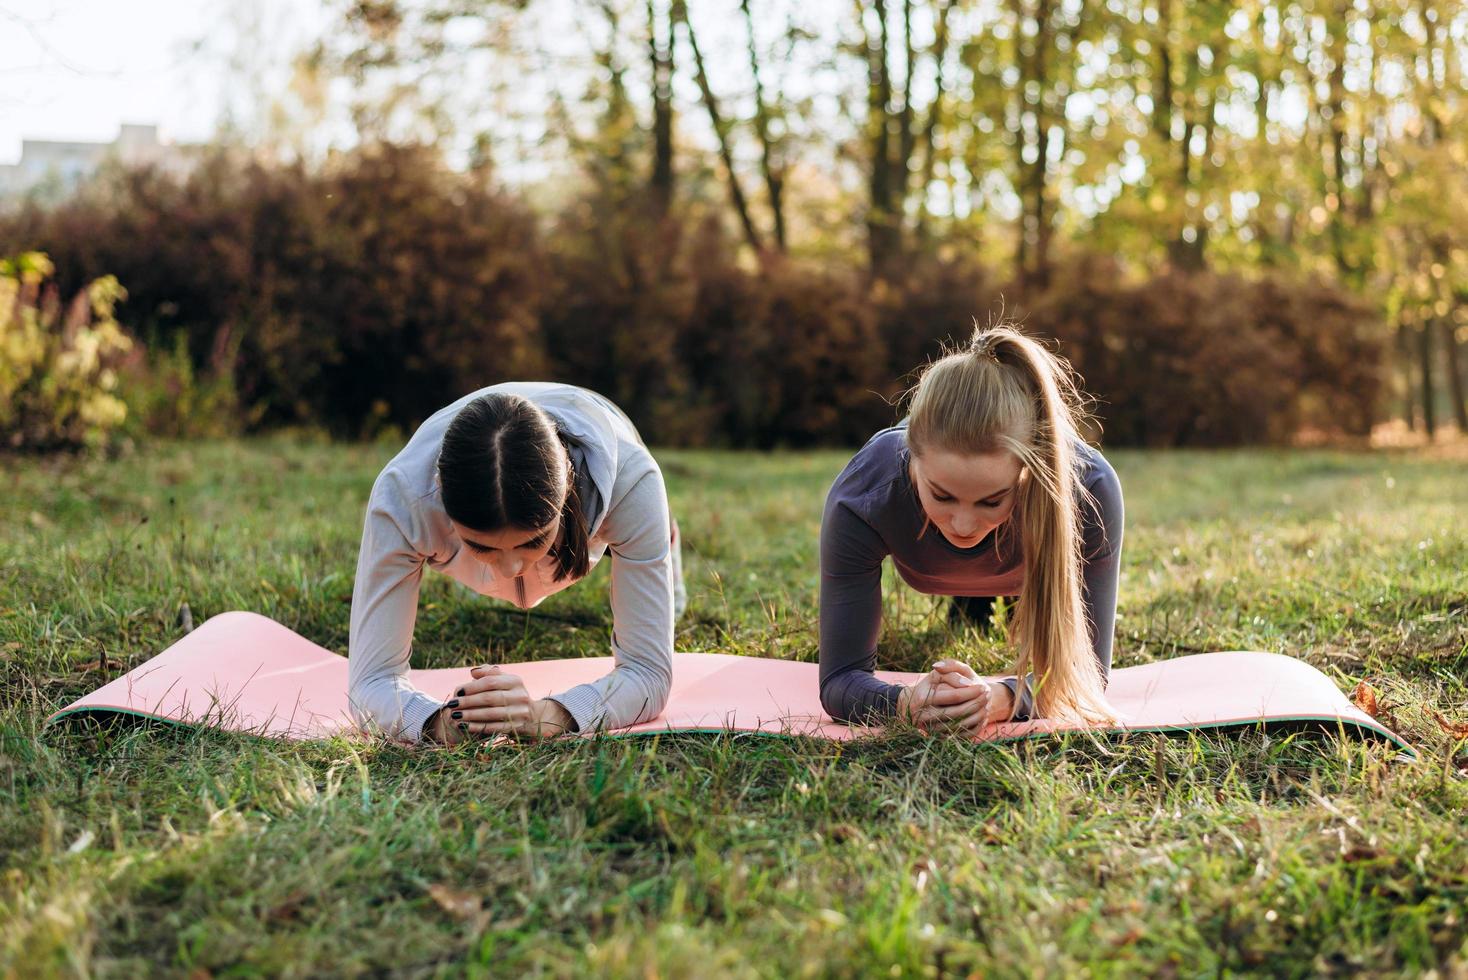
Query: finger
{"x": 494, "y": 698}
{"x": 953, "y": 669}
{"x": 974, "y": 699}
{"x": 481, "y": 729}
{"x": 490, "y": 682}
{"x": 522, "y": 729}
{"x": 484, "y": 669}
{"x": 975, "y": 719}
{"x": 932, "y": 717}
{"x": 508, "y": 712}
{"x": 947, "y": 695}
{"x": 984, "y": 719}
{"x": 957, "y": 712}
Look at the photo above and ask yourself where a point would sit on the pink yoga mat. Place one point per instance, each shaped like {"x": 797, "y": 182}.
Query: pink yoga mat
{"x": 246, "y": 673}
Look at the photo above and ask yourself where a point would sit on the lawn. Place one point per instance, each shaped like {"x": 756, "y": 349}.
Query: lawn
{"x": 127, "y": 849}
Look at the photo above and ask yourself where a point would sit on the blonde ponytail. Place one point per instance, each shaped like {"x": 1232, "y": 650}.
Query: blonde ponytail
{"x": 1004, "y": 392}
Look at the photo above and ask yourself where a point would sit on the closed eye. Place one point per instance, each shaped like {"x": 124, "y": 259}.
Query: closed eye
{"x": 484, "y": 549}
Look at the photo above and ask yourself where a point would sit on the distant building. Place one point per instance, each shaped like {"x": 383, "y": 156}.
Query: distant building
{"x": 61, "y": 166}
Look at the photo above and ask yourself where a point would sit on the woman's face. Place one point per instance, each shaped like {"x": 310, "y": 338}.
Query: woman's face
{"x": 509, "y": 551}
{"x": 966, "y": 497}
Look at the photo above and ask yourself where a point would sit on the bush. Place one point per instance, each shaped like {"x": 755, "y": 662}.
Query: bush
{"x": 787, "y": 355}
{"x": 57, "y": 367}
{"x": 371, "y": 292}
{"x": 378, "y": 288}
{"x": 1204, "y": 359}
{"x": 168, "y": 396}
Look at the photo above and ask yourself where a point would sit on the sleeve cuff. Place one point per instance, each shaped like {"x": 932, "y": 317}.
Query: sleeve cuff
{"x": 584, "y": 704}
{"x": 419, "y": 708}
{"x": 1023, "y": 700}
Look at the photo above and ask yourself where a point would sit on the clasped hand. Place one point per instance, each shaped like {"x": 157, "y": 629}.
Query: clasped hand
{"x": 951, "y": 695}
{"x": 496, "y": 703}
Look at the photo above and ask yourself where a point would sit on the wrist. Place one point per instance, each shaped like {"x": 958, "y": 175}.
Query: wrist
{"x": 1001, "y": 701}
{"x": 433, "y": 728}
{"x": 553, "y": 717}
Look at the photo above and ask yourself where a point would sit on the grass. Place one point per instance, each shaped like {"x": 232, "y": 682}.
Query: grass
{"x": 146, "y": 849}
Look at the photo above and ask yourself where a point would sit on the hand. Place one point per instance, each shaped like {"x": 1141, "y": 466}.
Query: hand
{"x": 496, "y": 703}
{"x": 1001, "y": 699}
{"x": 952, "y": 695}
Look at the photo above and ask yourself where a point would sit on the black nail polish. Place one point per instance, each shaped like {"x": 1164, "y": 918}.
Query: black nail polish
{"x": 453, "y": 704}
{"x": 463, "y": 727}
{"x": 459, "y": 693}
{"x": 457, "y": 714}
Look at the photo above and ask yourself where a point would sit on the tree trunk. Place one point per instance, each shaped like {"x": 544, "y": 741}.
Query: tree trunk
{"x": 906, "y": 135}
{"x": 1337, "y": 25}
{"x": 1162, "y": 107}
{"x": 1032, "y": 251}
{"x": 1455, "y": 373}
{"x": 1044, "y": 40}
{"x": 774, "y": 175}
{"x": 883, "y": 232}
{"x": 930, "y": 126}
{"x": 721, "y": 130}
{"x": 1409, "y": 382}
{"x": 1429, "y": 387}
{"x": 662, "y": 118}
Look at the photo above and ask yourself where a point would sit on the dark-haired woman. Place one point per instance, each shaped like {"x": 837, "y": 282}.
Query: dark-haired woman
{"x": 516, "y": 491}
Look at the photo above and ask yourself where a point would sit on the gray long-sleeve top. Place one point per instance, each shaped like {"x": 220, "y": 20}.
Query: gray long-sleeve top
{"x": 407, "y": 531}
{"x": 873, "y": 512}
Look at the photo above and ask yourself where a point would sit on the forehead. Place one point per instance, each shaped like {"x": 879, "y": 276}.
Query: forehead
{"x": 969, "y": 477}
{"x": 505, "y": 539}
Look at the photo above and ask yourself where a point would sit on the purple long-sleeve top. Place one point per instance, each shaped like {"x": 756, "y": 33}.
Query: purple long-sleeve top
{"x": 873, "y": 513}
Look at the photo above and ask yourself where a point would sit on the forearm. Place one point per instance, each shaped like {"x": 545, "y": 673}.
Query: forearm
{"x": 384, "y": 610}
{"x": 860, "y": 697}
{"x": 637, "y": 688}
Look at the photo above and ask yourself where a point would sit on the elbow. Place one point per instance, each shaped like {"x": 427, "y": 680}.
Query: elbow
{"x": 359, "y": 703}
{"x": 371, "y": 696}
{"x": 658, "y": 690}
{"x": 656, "y": 682}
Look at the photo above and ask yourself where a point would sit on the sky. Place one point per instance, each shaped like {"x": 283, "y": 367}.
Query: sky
{"x": 78, "y": 69}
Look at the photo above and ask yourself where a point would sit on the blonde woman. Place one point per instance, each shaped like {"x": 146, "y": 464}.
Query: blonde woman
{"x": 985, "y": 489}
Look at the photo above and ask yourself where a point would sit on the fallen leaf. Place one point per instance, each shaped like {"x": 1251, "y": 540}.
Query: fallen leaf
{"x": 1364, "y": 697}
{"x": 1133, "y": 935}
{"x": 1360, "y": 852}
{"x": 1457, "y": 729}
{"x": 289, "y": 909}
{"x": 459, "y": 904}
{"x": 923, "y": 871}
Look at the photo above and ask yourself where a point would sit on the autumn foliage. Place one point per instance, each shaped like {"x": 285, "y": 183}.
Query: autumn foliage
{"x": 375, "y": 289}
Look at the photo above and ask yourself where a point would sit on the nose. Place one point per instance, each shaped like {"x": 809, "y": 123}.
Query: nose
{"x": 510, "y": 567}
{"x": 963, "y": 529}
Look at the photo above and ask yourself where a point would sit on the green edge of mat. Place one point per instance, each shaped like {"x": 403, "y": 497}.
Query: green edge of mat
{"x": 1340, "y": 723}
